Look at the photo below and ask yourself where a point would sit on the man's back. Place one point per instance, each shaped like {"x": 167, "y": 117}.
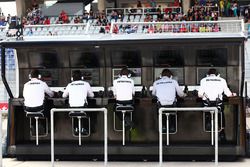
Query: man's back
{"x": 78, "y": 92}
{"x": 165, "y": 90}
{"x": 34, "y": 92}
{"x": 123, "y": 88}
{"x": 212, "y": 87}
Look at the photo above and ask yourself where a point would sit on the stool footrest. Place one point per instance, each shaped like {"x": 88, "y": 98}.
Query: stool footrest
{"x": 34, "y": 114}
{"x": 78, "y": 114}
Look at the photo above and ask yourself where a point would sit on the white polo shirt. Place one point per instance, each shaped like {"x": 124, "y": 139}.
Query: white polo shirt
{"x": 78, "y": 91}
{"x": 34, "y": 92}
{"x": 165, "y": 90}
{"x": 123, "y": 88}
{"x": 213, "y": 86}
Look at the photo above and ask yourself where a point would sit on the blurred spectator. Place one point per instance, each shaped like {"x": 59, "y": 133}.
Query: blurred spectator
{"x": 63, "y": 17}
{"x": 235, "y": 8}
{"x": 222, "y": 9}
{"x": 35, "y": 5}
{"x": 139, "y": 5}
{"x": 46, "y": 21}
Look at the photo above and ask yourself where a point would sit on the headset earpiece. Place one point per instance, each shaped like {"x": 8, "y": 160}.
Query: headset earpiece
{"x": 82, "y": 78}
{"x": 71, "y": 79}
{"x": 39, "y": 76}
{"x": 129, "y": 75}
{"x": 29, "y": 76}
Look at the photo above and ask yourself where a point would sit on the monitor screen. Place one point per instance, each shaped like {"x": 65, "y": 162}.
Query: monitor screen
{"x": 43, "y": 59}
{"x": 169, "y": 58}
{"x": 84, "y": 59}
{"x": 50, "y": 77}
{"x": 135, "y": 74}
{"x": 177, "y": 74}
{"x": 91, "y": 75}
{"x": 202, "y": 72}
{"x": 130, "y": 58}
{"x": 215, "y": 57}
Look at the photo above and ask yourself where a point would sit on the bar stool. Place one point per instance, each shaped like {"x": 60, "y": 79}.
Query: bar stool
{"x": 79, "y": 115}
{"x": 30, "y": 113}
{"x": 128, "y": 108}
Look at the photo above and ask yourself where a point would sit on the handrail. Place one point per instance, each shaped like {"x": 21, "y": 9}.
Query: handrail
{"x": 161, "y": 110}
{"x": 224, "y": 26}
{"x": 143, "y": 10}
{"x": 1, "y": 144}
{"x": 105, "y": 112}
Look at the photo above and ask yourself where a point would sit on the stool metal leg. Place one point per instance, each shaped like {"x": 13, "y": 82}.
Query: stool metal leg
{"x": 123, "y": 128}
{"x": 212, "y": 127}
{"x": 36, "y": 118}
{"x": 167, "y": 126}
{"x": 79, "y": 131}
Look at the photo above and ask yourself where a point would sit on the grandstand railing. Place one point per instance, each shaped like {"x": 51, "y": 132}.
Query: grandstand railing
{"x": 143, "y": 10}
{"x": 209, "y": 8}
{"x": 225, "y": 26}
{"x": 3, "y": 31}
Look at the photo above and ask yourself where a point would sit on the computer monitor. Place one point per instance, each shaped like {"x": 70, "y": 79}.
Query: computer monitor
{"x": 91, "y": 75}
{"x": 45, "y": 59}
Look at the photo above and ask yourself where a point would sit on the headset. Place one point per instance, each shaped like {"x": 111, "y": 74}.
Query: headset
{"x": 82, "y": 78}
{"x": 129, "y": 74}
{"x": 171, "y": 76}
{"x": 39, "y": 76}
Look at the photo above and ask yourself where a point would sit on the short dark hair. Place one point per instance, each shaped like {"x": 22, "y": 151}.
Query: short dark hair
{"x": 212, "y": 71}
{"x": 34, "y": 73}
{"x": 77, "y": 75}
{"x": 166, "y": 72}
{"x": 124, "y": 71}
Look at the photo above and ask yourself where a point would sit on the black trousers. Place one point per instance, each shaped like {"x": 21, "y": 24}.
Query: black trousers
{"x": 220, "y": 107}
{"x": 123, "y": 103}
{"x": 85, "y": 124}
{"x": 171, "y": 117}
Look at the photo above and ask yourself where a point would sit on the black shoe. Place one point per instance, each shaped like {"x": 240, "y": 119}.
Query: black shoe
{"x": 222, "y": 137}
{"x": 207, "y": 126}
{"x": 84, "y": 131}
{"x": 164, "y": 129}
{"x": 172, "y": 129}
{"x": 41, "y": 129}
{"x": 129, "y": 123}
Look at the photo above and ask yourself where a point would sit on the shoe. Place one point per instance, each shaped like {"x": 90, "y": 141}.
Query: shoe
{"x": 84, "y": 131}
{"x": 172, "y": 129}
{"x": 207, "y": 126}
{"x": 129, "y": 123}
{"x": 164, "y": 129}
{"x": 41, "y": 129}
{"x": 222, "y": 137}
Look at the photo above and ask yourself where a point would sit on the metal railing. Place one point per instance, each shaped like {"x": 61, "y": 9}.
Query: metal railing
{"x": 105, "y": 112}
{"x": 161, "y": 110}
{"x": 143, "y": 10}
{"x": 225, "y": 26}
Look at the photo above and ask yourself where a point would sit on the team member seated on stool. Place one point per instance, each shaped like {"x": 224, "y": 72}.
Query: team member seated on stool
{"x": 165, "y": 90}
{"x": 123, "y": 90}
{"x": 78, "y": 91}
{"x": 211, "y": 91}
{"x": 34, "y": 93}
